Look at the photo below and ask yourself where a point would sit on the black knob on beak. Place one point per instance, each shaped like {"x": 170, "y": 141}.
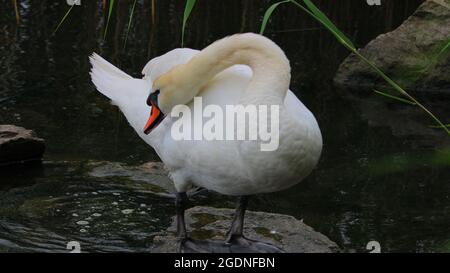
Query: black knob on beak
{"x": 153, "y": 97}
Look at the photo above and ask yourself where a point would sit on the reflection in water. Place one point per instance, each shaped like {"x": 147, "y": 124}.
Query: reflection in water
{"x": 378, "y": 178}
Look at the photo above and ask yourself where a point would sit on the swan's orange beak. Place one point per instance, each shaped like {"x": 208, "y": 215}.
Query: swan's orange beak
{"x": 156, "y": 116}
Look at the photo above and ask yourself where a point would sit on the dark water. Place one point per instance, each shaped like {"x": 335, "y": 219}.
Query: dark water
{"x": 384, "y": 174}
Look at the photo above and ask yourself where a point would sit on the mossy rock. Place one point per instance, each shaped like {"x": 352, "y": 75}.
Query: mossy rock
{"x": 284, "y": 231}
{"x": 411, "y": 54}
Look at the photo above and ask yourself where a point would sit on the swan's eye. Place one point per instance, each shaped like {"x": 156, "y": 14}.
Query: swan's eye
{"x": 153, "y": 97}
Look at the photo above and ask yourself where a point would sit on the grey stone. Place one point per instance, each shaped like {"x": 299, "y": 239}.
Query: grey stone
{"x": 286, "y": 232}
{"x": 408, "y": 54}
{"x": 208, "y": 223}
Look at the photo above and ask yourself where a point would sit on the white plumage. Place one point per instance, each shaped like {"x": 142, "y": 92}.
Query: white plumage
{"x": 241, "y": 69}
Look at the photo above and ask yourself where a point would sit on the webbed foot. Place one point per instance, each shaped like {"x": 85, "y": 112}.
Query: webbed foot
{"x": 188, "y": 245}
{"x": 240, "y": 244}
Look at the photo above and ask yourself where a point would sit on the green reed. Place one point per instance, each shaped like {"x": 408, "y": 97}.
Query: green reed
{"x": 129, "y": 23}
{"x": 187, "y": 12}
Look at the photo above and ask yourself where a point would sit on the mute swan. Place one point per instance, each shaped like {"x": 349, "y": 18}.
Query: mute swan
{"x": 245, "y": 69}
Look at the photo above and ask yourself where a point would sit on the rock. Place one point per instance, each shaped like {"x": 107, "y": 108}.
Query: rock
{"x": 407, "y": 54}
{"x": 286, "y": 232}
{"x": 18, "y": 145}
{"x": 206, "y": 223}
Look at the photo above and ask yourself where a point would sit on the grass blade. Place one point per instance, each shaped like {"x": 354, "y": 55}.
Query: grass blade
{"x": 395, "y": 97}
{"x": 187, "y": 12}
{"x": 111, "y": 5}
{"x": 63, "y": 19}
{"x": 129, "y": 24}
{"x": 268, "y": 13}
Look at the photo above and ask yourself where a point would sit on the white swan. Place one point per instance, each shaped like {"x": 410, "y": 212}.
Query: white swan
{"x": 241, "y": 69}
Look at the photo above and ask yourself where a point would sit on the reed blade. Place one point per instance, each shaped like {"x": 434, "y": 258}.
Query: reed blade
{"x": 440, "y": 127}
{"x": 327, "y": 22}
{"x": 153, "y": 12}
{"x": 394, "y": 97}
{"x": 63, "y": 19}
{"x": 110, "y": 9}
{"x": 268, "y": 13}
{"x": 187, "y": 12}
{"x": 16, "y": 11}
{"x": 129, "y": 23}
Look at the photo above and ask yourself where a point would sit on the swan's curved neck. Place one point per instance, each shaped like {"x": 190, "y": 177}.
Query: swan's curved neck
{"x": 271, "y": 69}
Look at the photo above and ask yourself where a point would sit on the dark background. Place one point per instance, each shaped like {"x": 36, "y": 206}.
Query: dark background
{"x": 379, "y": 177}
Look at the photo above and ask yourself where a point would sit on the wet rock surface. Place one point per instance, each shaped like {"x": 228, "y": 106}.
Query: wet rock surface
{"x": 411, "y": 54}
{"x": 207, "y": 223}
{"x": 19, "y": 145}
{"x": 283, "y": 231}
{"x": 114, "y": 207}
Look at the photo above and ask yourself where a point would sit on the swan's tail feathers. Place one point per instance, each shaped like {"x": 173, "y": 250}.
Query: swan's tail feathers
{"x": 109, "y": 80}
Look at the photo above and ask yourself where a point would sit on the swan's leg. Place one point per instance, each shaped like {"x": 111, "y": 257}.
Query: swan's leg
{"x": 236, "y": 239}
{"x": 186, "y": 244}
{"x": 237, "y": 226}
{"x": 180, "y": 205}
